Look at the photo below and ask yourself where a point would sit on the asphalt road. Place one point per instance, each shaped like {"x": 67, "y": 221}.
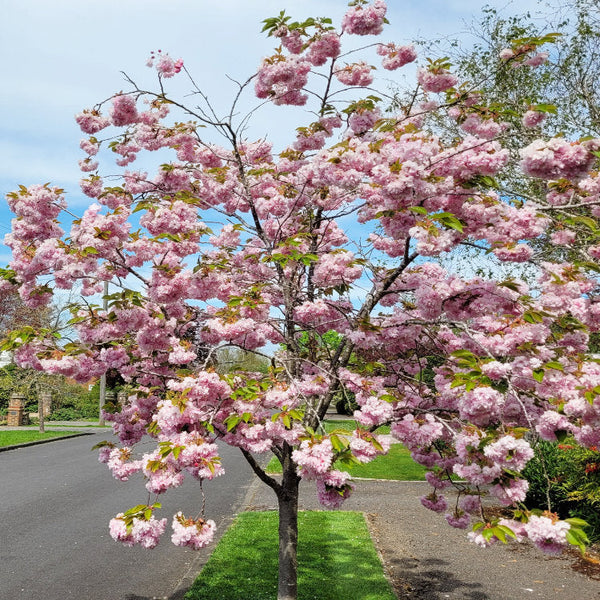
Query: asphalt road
{"x": 56, "y": 500}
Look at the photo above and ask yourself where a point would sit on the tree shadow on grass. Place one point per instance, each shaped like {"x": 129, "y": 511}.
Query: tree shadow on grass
{"x": 335, "y": 564}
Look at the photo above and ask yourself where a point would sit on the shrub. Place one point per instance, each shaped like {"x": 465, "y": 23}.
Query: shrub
{"x": 65, "y": 414}
{"x": 567, "y": 477}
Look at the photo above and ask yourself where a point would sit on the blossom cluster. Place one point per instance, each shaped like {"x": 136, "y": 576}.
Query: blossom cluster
{"x": 458, "y": 365}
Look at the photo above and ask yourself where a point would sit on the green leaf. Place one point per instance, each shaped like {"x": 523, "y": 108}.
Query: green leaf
{"x": 501, "y": 535}
{"x": 507, "y": 531}
{"x": 296, "y": 414}
{"x": 449, "y": 221}
{"x": 588, "y": 222}
{"x": 538, "y": 375}
{"x": 488, "y": 181}
{"x": 339, "y": 443}
{"x": 232, "y": 422}
{"x": 532, "y": 316}
{"x": 136, "y": 509}
{"x": 511, "y": 285}
{"x": 466, "y": 354}
{"x": 576, "y": 537}
{"x": 576, "y": 522}
{"x": 419, "y": 210}
{"x": 388, "y": 398}
{"x": 545, "y": 108}
{"x": 588, "y": 265}
{"x": 104, "y": 444}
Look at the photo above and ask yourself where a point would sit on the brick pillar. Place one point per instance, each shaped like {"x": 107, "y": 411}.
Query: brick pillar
{"x": 16, "y": 411}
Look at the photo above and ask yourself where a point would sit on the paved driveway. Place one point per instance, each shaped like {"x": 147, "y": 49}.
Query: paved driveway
{"x": 55, "y": 503}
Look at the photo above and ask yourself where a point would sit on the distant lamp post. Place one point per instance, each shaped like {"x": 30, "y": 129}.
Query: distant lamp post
{"x": 103, "y": 377}
{"x": 44, "y": 408}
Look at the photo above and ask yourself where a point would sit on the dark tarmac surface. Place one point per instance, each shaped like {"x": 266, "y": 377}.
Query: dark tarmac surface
{"x": 56, "y": 500}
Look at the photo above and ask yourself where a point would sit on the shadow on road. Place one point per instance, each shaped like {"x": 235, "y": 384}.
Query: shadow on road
{"x": 179, "y": 595}
{"x": 433, "y": 581}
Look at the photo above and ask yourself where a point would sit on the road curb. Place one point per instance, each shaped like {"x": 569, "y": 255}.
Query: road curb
{"x": 36, "y": 442}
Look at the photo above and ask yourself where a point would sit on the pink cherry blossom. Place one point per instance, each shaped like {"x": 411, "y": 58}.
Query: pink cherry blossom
{"x": 165, "y": 65}
{"x": 365, "y": 20}
{"x": 533, "y": 118}
{"x": 395, "y": 57}
{"x": 558, "y": 158}
{"x": 435, "y": 503}
{"x": 146, "y": 533}
{"x": 254, "y": 286}
{"x": 123, "y": 111}
{"x": 548, "y": 535}
{"x": 355, "y": 74}
{"x": 192, "y": 533}
{"x": 91, "y": 121}
{"x": 436, "y": 81}
{"x": 324, "y": 47}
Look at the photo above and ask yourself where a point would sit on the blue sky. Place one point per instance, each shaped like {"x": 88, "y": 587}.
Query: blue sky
{"x": 66, "y": 55}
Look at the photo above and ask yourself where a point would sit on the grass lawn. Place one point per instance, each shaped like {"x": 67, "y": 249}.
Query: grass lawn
{"x": 396, "y": 464}
{"x": 9, "y": 438}
{"x": 336, "y": 560}
{"x": 349, "y": 425}
{"x": 78, "y": 425}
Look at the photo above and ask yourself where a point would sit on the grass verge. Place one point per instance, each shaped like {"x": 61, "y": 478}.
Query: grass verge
{"x": 349, "y": 425}
{"x": 397, "y": 465}
{"x": 336, "y": 559}
{"x": 11, "y": 438}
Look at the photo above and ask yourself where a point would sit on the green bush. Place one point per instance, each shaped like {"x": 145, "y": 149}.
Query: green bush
{"x": 568, "y": 477}
{"x": 67, "y": 413}
{"x": 65, "y": 393}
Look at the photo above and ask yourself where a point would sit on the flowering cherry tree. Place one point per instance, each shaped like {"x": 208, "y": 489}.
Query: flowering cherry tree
{"x": 337, "y": 232}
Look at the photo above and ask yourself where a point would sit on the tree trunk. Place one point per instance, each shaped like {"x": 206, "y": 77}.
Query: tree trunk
{"x": 287, "y": 497}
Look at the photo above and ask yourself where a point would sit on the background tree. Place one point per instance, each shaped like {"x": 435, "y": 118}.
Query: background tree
{"x": 73, "y": 399}
{"x": 566, "y": 80}
{"x": 14, "y": 313}
{"x": 558, "y": 98}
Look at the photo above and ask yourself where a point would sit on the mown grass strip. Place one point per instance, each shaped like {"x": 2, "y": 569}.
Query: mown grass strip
{"x": 12, "y": 438}
{"x": 349, "y": 425}
{"x": 336, "y": 559}
{"x": 396, "y": 465}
